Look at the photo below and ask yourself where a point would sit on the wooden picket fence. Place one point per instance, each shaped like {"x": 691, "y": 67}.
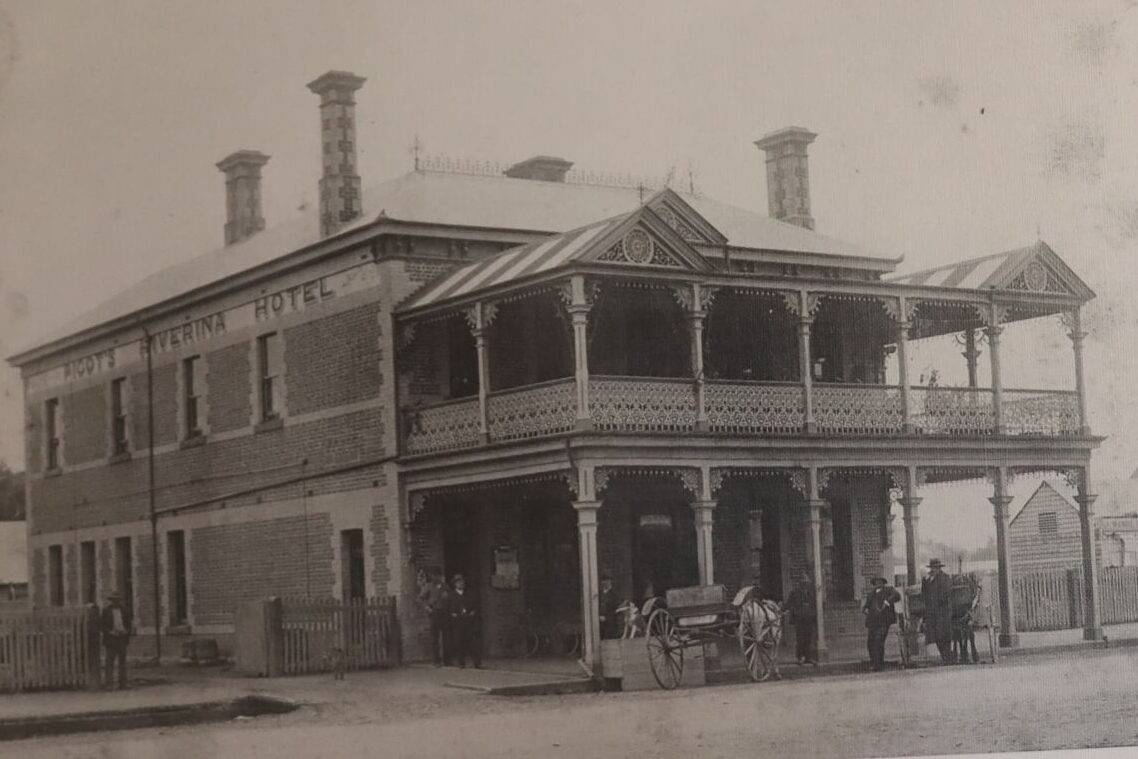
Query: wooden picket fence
{"x": 49, "y": 649}
{"x": 1053, "y": 600}
{"x": 319, "y": 635}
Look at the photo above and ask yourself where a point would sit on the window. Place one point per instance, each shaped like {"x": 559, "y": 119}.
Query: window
{"x": 176, "y": 578}
{"x": 190, "y": 389}
{"x": 87, "y": 571}
{"x": 118, "y": 415}
{"x": 55, "y": 575}
{"x": 51, "y": 428}
{"x": 268, "y": 371}
{"x": 1048, "y": 523}
{"x": 354, "y": 570}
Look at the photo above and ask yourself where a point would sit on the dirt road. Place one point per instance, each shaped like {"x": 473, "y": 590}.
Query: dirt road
{"x": 1034, "y": 702}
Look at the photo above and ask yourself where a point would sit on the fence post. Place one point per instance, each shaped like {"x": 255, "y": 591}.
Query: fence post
{"x": 1073, "y": 599}
{"x": 394, "y": 633}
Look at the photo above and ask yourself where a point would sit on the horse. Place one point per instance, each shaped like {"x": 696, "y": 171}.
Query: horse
{"x": 965, "y": 597}
{"x": 636, "y": 617}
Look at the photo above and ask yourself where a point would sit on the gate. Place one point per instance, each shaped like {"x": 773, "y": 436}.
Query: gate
{"x": 319, "y": 635}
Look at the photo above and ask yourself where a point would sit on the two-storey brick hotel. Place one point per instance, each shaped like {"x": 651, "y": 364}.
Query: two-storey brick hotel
{"x": 534, "y": 379}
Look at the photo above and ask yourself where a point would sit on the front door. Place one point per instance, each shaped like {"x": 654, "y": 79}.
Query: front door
{"x": 663, "y": 550}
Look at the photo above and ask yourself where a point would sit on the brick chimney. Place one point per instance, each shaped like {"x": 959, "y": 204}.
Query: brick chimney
{"x": 243, "y": 217}
{"x": 339, "y": 183}
{"x": 788, "y": 175}
{"x": 545, "y": 168}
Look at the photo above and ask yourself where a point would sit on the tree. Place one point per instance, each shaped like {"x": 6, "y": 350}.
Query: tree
{"x": 11, "y": 495}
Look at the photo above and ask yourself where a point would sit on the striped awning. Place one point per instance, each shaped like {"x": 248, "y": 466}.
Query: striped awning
{"x": 534, "y": 258}
{"x": 973, "y": 274}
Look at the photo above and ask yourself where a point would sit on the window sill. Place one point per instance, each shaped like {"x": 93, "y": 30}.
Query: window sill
{"x": 120, "y": 457}
{"x": 180, "y": 629}
{"x": 53, "y": 472}
{"x": 269, "y": 425}
{"x": 193, "y": 441}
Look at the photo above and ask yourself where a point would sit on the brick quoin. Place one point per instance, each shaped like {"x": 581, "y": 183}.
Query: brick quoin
{"x": 85, "y": 425}
{"x": 333, "y": 361}
{"x": 33, "y": 438}
{"x": 228, "y": 377}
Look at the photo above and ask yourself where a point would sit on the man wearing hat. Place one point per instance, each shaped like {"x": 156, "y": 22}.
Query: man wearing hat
{"x": 463, "y": 624}
{"x": 800, "y": 603}
{"x": 115, "y": 625}
{"x": 936, "y": 589}
{"x": 433, "y": 598}
{"x": 879, "y": 617}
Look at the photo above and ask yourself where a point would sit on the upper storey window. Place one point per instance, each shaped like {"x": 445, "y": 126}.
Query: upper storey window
{"x": 268, "y": 370}
{"x": 118, "y": 416}
{"x": 51, "y": 428}
{"x": 191, "y": 395}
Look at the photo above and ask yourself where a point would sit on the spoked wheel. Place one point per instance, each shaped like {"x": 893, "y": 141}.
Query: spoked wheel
{"x": 758, "y": 654}
{"x": 665, "y": 652}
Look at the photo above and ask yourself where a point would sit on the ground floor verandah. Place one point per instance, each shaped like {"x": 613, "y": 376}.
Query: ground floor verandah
{"x": 540, "y": 545}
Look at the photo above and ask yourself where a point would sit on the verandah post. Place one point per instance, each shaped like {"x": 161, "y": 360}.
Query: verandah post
{"x": 804, "y": 321}
{"x": 816, "y": 505}
{"x": 578, "y": 307}
{"x": 1000, "y": 500}
{"x": 1092, "y": 620}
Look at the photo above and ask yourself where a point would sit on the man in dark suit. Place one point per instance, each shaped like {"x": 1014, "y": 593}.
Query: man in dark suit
{"x": 463, "y": 624}
{"x": 115, "y": 625}
{"x": 880, "y": 615}
{"x": 936, "y": 590}
{"x": 804, "y": 612}
{"x": 433, "y": 598}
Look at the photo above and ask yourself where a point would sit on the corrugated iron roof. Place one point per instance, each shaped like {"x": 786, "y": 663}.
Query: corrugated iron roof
{"x": 488, "y": 202}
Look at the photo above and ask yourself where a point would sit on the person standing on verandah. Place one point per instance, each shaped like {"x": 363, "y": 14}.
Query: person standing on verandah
{"x": 880, "y": 615}
{"x": 801, "y": 605}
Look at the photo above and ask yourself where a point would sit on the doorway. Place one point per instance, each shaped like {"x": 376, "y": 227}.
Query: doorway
{"x": 663, "y": 540}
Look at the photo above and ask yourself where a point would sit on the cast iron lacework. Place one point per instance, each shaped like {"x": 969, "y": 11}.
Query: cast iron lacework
{"x": 444, "y": 428}
{"x": 952, "y": 411}
{"x": 635, "y": 405}
{"x": 532, "y": 412}
{"x": 638, "y": 248}
{"x": 1041, "y": 412}
{"x": 750, "y": 408}
{"x": 857, "y": 409}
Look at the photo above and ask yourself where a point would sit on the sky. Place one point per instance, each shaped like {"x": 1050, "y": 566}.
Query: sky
{"x": 946, "y": 130}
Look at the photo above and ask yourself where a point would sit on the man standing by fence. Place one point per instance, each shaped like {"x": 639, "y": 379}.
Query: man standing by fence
{"x": 115, "y": 623}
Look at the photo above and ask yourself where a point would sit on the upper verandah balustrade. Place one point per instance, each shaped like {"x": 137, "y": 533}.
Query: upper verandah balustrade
{"x": 624, "y": 327}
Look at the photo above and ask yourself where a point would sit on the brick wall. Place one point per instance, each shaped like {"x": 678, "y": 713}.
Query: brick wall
{"x": 38, "y": 590}
{"x": 235, "y": 564}
{"x": 118, "y": 493}
{"x": 70, "y": 574}
{"x": 228, "y": 375}
{"x": 85, "y": 425}
{"x": 105, "y": 563}
{"x": 143, "y": 549}
{"x": 333, "y": 361}
{"x": 165, "y": 406}
{"x": 424, "y": 270}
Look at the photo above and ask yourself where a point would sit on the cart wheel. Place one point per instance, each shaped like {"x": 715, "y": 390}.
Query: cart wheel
{"x": 665, "y": 652}
{"x": 758, "y": 654}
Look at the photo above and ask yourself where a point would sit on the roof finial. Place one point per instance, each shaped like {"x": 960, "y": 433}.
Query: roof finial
{"x": 416, "y": 148}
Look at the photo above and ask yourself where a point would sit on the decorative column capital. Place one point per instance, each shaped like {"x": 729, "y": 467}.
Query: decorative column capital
{"x": 704, "y": 504}
{"x": 1001, "y": 501}
{"x": 910, "y": 502}
{"x": 1087, "y": 501}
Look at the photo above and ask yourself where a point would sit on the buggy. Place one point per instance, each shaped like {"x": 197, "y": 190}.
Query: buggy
{"x": 693, "y": 616}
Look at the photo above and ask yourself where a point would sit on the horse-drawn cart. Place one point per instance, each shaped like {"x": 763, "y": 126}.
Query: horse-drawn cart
{"x": 694, "y": 616}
